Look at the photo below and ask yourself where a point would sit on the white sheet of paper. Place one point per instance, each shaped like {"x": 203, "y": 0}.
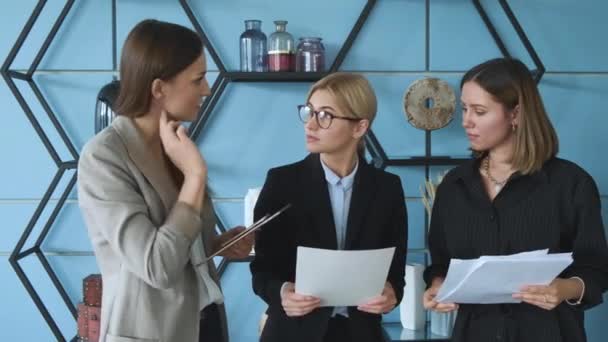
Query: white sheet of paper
{"x": 342, "y": 278}
{"x": 494, "y": 279}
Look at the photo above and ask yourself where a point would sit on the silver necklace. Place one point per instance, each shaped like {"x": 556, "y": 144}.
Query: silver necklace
{"x": 497, "y": 184}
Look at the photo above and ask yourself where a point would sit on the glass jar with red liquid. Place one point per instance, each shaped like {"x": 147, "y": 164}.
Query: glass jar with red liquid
{"x": 281, "y": 49}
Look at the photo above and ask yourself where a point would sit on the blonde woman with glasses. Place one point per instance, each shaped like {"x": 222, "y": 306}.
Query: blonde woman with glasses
{"x": 339, "y": 201}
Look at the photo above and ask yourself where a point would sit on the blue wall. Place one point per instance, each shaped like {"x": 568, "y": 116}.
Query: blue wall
{"x": 254, "y": 126}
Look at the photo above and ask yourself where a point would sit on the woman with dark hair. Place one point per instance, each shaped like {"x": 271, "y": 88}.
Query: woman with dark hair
{"x": 517, "y": 196}
{"x": 142, "y": 192}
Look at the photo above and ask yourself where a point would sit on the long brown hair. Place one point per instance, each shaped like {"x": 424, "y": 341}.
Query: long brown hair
{"x": 510, "y": 82}
{"x": 153, "y": 50}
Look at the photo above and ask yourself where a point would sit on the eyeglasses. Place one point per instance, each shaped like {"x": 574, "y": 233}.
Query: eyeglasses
{"x": 324, "y": 119}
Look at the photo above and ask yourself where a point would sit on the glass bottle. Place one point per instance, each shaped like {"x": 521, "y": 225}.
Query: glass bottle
{"x": 253, "y": 47}
{"x": 310, "y": 56}
{"x": 280, "y": 49}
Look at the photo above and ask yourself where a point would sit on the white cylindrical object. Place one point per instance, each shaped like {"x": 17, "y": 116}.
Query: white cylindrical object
{"x": 412, "y": 312}
{"x": 250, "y": 199}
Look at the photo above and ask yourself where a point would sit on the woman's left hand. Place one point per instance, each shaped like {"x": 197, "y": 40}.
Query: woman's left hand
{"x": 240, "y": 249}
{"x": 382, "y": 303}
{"x": 544, "y": 296}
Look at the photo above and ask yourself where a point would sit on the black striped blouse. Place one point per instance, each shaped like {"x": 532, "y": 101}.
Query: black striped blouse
{"x": 556, "y": 208}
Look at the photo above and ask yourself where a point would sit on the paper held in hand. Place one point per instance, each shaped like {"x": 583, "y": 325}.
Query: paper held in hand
{"x": 342, "y": 277}
{"x": 494, "y": 279}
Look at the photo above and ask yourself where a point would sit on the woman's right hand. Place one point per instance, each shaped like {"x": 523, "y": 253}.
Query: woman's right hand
{"x": 428, "y": 299}
{"x": 181, "y": 149}
{"x": 295, "y": 304}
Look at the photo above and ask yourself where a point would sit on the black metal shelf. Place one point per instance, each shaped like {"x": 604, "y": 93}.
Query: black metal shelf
{"x": 238, "y": 76}
{"x": 248, "y": 258}
{"x": 377, "y": 153}
{"x": 426, "y": 161}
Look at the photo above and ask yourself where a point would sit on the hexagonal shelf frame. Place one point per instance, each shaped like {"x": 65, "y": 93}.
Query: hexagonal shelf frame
{"x": 379, "y": 156}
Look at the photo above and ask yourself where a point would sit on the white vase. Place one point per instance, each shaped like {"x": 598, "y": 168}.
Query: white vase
{"x": 250, "y": 199}
{"x": 411, "y": 309}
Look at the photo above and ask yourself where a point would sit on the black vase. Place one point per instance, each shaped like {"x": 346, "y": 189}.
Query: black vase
{"x": 103, "y": 108}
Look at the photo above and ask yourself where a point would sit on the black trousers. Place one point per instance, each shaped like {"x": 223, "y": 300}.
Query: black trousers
{"x": 211, "y": 327}
{"x": 338, "y": 330}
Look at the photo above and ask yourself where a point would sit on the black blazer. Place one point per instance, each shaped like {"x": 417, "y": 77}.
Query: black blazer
{"x": 377, "y": 219}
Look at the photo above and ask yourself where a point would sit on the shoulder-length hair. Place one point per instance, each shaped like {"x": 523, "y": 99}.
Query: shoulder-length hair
{"x": 510, "y": 82}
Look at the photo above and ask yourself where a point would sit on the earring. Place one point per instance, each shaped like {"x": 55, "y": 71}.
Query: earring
{"x": 513, "y": 127}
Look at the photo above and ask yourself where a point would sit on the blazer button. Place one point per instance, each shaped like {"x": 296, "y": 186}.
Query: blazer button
{"x": 492, "y": 217}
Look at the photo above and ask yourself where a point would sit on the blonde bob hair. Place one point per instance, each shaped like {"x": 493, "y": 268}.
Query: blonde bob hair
{"x": 353, "y": 95}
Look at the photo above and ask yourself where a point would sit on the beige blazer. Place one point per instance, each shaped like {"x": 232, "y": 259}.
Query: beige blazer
{"x": 141, "y": 239}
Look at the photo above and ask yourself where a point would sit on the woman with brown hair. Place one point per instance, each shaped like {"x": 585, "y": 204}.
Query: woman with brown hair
{"x": 517, "y": 196}
{"x": 142, "y": 192}
{"x": 338, "y": 201}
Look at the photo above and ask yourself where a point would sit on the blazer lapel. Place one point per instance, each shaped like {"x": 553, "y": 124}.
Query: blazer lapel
{"x": 360, "y": 202}
{"x": 157, "y": 176}
{"x": 318, "y": 199}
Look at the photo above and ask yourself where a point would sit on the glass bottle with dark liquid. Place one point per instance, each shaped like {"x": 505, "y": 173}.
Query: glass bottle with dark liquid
{"x": 310, "y": 55}
{"x": 281, "y": 49}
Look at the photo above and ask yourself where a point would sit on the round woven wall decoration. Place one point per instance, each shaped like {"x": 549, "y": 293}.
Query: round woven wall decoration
{"x": 429, "y": 104}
